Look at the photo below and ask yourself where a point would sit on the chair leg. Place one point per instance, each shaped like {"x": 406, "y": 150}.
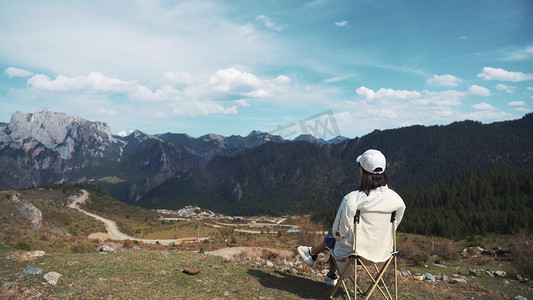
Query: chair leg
{"x": 395, "y": 278}
{"x": 376, "y": 281}
{"x": 384, "y": 285}
{"x": 355, "y": 286}
{"x": 373, "y": 280}
{"x": 340, "y": 281}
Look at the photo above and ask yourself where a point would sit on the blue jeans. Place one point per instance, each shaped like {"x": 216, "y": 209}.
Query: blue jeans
{"x": 330, "y": 243}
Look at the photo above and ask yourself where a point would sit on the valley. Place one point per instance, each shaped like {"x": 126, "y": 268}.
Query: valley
{"x": 110, "y": 212}
{"x": 257, "y": 250}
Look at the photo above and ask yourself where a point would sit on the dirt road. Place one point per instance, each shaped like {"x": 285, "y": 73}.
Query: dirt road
{"x": 111, "y": 226}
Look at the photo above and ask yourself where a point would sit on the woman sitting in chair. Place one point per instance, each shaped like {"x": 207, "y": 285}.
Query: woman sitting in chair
{"x": 373, "y": 195}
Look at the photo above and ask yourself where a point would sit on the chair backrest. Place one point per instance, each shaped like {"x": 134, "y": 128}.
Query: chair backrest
{"x": 374, "y": 238}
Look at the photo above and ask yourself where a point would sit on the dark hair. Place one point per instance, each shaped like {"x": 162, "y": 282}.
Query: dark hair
{"x": 371, "y": 181}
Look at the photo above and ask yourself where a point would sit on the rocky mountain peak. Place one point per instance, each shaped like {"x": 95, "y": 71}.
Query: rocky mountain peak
{"x": 56, "y": 131}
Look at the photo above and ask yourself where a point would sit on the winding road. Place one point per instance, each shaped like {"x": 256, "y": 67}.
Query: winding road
{"x": 111, "y": 226}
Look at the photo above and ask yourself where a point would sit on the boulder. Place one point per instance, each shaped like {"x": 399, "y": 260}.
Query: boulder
{"x": 191, "y": 271}
{"x": 457, "y": 280}
{"x": 29, "y": 271}
{"x": 418, "y": 277}
{"x": 105, "y": 248}
{"x": 505, "y": 282}
{"x": 429, "y": 277}
{"x": 35, "y": 254}
{"x": 500, "y": 273}
{"x": 28, "y": 211}
{"x": 22, "y": 256}
{"x": 52, "y": 277}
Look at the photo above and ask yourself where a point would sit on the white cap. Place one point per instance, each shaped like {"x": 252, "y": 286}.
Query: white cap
{"x": 372, "y": 161}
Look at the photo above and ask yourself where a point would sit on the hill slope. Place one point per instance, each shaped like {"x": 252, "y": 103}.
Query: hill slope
{"x": 302, "y": 177}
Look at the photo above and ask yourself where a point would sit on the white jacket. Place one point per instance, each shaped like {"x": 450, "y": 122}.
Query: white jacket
{"x": 380, "y": 200}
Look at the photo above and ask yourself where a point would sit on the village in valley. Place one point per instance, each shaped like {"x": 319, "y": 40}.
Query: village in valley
{"x": 252, "y": 224}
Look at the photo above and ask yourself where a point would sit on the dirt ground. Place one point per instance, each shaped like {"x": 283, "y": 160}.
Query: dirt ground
{"x": 229, "y": 253}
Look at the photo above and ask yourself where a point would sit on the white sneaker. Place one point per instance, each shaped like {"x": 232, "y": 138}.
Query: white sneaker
{"x": 306, "y": 256}
{"x": 330, "y": 281}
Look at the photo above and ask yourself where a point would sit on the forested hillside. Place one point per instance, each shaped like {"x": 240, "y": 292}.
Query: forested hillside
{"x": 497, "y": 200}
{"x": 301, "y": 177}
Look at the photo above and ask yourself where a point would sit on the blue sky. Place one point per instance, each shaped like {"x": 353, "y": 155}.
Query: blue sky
{"x": 230, "y": 67}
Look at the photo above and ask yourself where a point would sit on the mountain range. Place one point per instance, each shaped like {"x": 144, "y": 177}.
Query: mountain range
{"x": 48, "y": 148}
{"x": 258, "y": 173}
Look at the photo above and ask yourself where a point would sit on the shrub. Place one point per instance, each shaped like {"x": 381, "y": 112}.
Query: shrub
{"x": 474, "y": 241}
{"x": 78, "y": 247}
{"x": 413, "y": 254}
{"x": 308, "y": 233}
{"x": 24, "y": 246}
{"x": 446, "y": 250}
{"x": 522, "y": 252}
{"x": 127, "y": 244}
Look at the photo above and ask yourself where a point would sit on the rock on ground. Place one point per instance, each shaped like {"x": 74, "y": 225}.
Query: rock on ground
{"x": 52, "y": 277}
{"x": 29, "y": 271}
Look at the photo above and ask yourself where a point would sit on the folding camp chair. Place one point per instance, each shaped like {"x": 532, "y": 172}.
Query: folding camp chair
{"x": 374, "y": 241}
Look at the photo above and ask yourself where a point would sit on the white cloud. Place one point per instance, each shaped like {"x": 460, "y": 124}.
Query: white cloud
{"x": 242, "y": 102}
{"x": 342, "y": 23}
{"x": 76, "y": 38}
{"x": 398, "y": 94}
{"x": 520, "y": 54}
{"x": 16, "y": 72}
{"x": 522, "y": 109}
{"x": 178, "y": 78}
{"x": 389, "y": 108}
{"x": 95, "y": 82}
{"x": 425, "y": 98}
{"x": 171, "y": 101}
{"x": 441, "y": 99}
{"x": 386, "y": 93}
{"x": 483, "y": 106}
{"x": 232, "y": 81}
{"x": 506, "y": 88}
{"x": 476, "y": 90}
{"x": 516, "y": 103}
{"x": 228, "y": 80}
{"x": 487, "y": 115}
{"x": 489, "y": 73}
{"x": 337, "y": 78}
{"x": 443, "y": 80}
{"x": 365, "y": 92}
{"x": 530, "y": 88}
{"x": 268, "y": 23}
{"x": 192, "y": 99}
{"x": 462, "y": 37}
{"x": 282, "y": 80}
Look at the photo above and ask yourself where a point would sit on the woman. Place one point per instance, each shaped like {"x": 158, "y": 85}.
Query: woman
{"x": 373, "y": 195}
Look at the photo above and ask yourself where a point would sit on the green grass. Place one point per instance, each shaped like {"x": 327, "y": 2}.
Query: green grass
{"x": 149, "y": 274}
{"x": 156, "y": 273}
{"x": 61, "y": 227}
{"x": 139, "y": 274}
{"x": 111, "y": 179}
